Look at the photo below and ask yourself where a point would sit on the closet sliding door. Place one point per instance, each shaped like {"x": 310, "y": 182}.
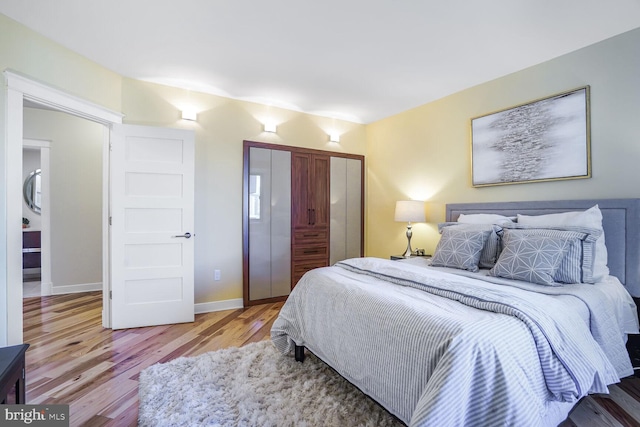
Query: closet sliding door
{"x": 303, "y": 209}
{"x": 346, "y": 209}
{"x": 269, "y": 224}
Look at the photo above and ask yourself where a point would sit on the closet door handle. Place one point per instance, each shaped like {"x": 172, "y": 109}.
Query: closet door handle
{"x": 308, "y": 216}
{"x": 313, "y": 211}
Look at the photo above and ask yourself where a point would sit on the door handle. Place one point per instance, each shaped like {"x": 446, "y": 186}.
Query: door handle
{"x": 185, "y": 235}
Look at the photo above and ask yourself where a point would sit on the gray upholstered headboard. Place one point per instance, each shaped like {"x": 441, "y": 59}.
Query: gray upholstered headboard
{"x": 620, "y": 220}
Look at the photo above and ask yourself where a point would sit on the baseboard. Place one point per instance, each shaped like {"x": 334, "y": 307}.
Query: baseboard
{"x": 205, "y": 307}
{"x": 46, "y": 288}
{"x": 208, "y": 307}
{"x": 72, "y": 289}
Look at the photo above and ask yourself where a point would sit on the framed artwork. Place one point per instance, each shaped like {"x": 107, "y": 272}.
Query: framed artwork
{"x": 543, "y": 140}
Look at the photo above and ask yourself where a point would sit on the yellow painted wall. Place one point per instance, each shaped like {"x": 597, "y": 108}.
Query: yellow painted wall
{"x": 29, "y": 53}
{"x": 424, "y": 153}
{"x": 221, "y": 127}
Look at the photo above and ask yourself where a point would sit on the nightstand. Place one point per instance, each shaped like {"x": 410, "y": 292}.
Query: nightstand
{"x": 12, "y": 374}
{"x": 397, "y": 257}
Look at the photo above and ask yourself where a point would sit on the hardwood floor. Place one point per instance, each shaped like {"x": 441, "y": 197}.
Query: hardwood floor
{"x": 73, "y": 360}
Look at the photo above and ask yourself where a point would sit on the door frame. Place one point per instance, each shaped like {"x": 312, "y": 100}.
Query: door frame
{"x": 18, "y": 89}
{"x": 44, "y": 147}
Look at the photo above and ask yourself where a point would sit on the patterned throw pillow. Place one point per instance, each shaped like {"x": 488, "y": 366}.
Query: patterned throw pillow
{"x": 532, "y": 258}
{"x": 577, "y": 266}
{"x": 491, "y": 248}
{"x": 591, "y": 218}
{"x": 460, "y": 248}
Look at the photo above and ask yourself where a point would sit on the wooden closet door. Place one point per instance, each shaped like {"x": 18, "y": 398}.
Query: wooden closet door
{"x": 320, "y": 191}
{"x": 300, "y": 186}
{"x": 310, "y": 213}
{"x": 312, "y": 218}
{"x": 310, "y": 190}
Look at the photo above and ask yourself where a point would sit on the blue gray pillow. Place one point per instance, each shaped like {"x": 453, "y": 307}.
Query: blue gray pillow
{"x": 530, "y": 257}
{"x": 460, "y": 248}
{"x": 491, "y": 248}
{"x": 578, "y": 264}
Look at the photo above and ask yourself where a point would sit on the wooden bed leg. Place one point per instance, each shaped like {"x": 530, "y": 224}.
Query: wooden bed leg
{"x": 299, "y": 353}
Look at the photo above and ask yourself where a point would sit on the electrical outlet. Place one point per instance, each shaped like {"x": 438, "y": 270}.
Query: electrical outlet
{"x": 216, "y": 274}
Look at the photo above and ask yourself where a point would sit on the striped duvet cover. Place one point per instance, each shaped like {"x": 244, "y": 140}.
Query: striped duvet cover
{"x": 437, "y": 349}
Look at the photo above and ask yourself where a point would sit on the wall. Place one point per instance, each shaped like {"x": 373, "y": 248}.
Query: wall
{"x": 29, "y": 53}
{"x": 424, "y": 153}
{"x": 4, "y": 316}
{"x": 221, "y": 127}
{"x": 76, "y": 195}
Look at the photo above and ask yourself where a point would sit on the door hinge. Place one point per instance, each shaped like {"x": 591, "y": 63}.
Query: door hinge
{"x": 111, "y": 146}
{"x": 110, "y": 294}
{"x": 109, "y": 220}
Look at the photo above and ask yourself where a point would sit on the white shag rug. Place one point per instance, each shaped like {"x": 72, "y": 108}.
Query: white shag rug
{"x": 253, "y": 385}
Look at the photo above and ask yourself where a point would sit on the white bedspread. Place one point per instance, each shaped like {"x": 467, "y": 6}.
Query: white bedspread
{"x": 440, "y": 349}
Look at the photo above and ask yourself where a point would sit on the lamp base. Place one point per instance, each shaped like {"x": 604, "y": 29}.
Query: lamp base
{"x": 408, "y": 252}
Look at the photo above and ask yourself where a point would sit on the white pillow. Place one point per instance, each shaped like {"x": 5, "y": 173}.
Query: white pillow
{"x": 483, "y": 219}
{"x": 591, "y": 218}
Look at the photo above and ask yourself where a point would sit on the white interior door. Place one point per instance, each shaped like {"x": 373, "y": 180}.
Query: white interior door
{"x": 152, "y": 210}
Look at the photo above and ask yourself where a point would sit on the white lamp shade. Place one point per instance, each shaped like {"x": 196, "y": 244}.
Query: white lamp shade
{"x": 410, "y": 211}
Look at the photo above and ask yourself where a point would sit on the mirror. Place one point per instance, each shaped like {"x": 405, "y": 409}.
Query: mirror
{"x": 32, "y": 192}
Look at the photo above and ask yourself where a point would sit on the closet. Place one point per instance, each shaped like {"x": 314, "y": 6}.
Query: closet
{"x": 302, "y": 209}
{"x": 310, "y": 213}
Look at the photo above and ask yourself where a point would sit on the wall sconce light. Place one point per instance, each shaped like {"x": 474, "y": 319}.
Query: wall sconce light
{"x": 270, "y": 127}
{"x": 334, "y": 137}
{"x": 190, "y": 115}
{"x": 409, "y": 211}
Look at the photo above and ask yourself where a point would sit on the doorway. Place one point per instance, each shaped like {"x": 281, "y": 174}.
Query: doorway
{"x": 36, "y": 250}
{"x": 73, "y": 216}
{"x": 20, "y": 90}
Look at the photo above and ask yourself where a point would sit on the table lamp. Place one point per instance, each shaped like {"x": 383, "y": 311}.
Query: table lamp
{"x": 409, "y": 211}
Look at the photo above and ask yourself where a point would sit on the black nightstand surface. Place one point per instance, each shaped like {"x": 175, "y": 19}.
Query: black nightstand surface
{"x": 12, "y": 367}
{"x": 397, "y": 257}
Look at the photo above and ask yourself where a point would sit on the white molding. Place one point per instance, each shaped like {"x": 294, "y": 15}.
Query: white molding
{"x": 209, "y": 307}
{"x": 57, "y": 99}
{"x": 36, "y": 143}
{"x": 106, "y": 236}
{"x": 18, "y": 88}
{"x": 13, "y": 215}
{"x": 72, "y": 289}
{"x": 45, "y": 289}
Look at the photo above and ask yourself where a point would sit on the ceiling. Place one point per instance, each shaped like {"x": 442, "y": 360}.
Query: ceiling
{"x": 358, "y": 60}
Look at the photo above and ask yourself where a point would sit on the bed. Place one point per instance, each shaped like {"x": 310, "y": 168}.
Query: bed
{"x": 437, "y": 343}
